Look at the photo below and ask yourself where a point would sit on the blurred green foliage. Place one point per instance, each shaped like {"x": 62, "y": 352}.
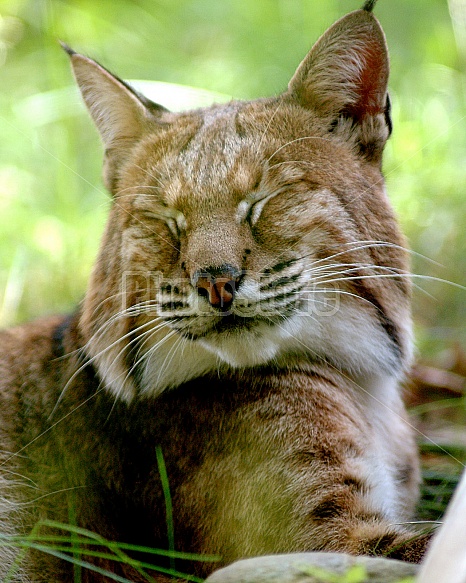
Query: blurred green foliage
{"x": 53, "y": 204}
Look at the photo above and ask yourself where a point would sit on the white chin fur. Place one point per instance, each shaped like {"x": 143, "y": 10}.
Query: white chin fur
{"x": 349, "y": 340}
{"x": 248, "y": 348}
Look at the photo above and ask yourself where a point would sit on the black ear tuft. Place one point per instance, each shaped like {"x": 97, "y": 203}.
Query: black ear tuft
{"x": 67, "y": 49}
{"x": 369, "y": 5}
{"x": 388, "y": 115}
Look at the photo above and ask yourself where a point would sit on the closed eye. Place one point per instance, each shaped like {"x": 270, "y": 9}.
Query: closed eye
{"x": 251, "y": 207}
{"x": 173, "y": 218}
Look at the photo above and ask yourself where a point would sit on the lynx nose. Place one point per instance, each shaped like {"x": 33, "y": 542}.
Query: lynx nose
{"x": 218, "y": 285}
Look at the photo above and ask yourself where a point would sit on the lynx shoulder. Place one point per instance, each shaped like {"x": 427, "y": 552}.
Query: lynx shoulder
{"x": 248, "y": 318}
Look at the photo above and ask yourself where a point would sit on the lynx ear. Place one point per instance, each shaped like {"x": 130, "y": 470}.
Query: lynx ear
{"x": 344, "y": 78}
{"x": 121, "y": 114}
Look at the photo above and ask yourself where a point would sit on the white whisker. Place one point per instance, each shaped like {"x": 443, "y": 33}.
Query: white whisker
{"x": 158, "y": 180}
{"x": 92, "y": 359}
{"x": 294, "y": 141}
{"x": 169, "y": 357}
{"x": 149, "y": 334}
{"x": 401, "y": 248}
{"x": 395, "y": 276}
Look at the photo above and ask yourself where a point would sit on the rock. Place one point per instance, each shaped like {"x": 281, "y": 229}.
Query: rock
{"x": 314, "y": 568}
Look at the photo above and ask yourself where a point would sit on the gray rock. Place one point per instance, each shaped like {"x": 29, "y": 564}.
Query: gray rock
{"x": 314, "y": 568}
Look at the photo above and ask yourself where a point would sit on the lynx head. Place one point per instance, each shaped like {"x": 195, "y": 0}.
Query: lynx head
{"x": 253, "y": 233}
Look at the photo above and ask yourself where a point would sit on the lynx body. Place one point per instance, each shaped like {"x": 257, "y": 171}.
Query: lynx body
{"x": 248, "y": 318}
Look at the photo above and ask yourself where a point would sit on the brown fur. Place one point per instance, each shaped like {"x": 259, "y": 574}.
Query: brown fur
{"x": 282, "y": 430}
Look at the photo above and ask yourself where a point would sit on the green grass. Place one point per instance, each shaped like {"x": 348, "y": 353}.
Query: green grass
{"x": 79, "y": 545}
{"x": 355, "y": 574}
{"x": 168, "y": 505}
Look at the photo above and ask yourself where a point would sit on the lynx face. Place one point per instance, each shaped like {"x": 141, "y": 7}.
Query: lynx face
{"x": 251, "y": 233}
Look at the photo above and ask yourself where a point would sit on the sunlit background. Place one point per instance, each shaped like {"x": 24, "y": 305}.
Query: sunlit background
{"x": 52, "y": 202}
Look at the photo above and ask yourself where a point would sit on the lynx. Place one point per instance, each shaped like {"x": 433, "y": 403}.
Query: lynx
{"x": 247, "y": 322}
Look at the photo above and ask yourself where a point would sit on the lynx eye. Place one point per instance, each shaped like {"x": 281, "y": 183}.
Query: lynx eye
{"x": 174, "y": 219}
{"x": 255, "y": 210}
{"x": 251, "y": 207}
{"x": 177, "y": 224}
{"x": 173, "y": 226}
